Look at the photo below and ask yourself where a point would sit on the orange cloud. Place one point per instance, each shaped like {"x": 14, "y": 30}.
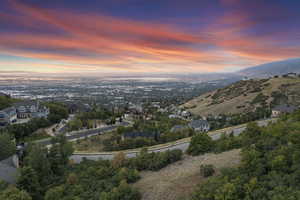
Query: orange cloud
{"x": 95, "y": 42}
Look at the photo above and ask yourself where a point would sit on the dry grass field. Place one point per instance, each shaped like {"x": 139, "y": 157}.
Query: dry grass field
{"x": 178, "y": 180}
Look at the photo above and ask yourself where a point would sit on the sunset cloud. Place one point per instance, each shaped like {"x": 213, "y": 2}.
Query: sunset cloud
{"x": 95, "y": 41}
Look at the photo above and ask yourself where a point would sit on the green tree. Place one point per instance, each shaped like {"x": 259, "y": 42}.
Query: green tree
{"x": 200, "y": 144}
{"x": 57, "y": 112}
{"x": 3, "y": 185}
{"x": 251, "y": 189}
{"x": 123, "y": 191}
{"x": 55, "y": 193}
{"x": 75, "y": 125}
{"x": 59, "y": 154}
{"x": 226, "y": 192}
{"x": 12, "y": 193}
{"x": 7, "y": 146}
{"x": 252, "y": 132}
{"x": 37, "y": 159}
{"x": 28, "y": 181}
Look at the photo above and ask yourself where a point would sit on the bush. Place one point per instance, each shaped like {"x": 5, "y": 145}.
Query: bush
{"x": 12, "y": 193}
{"x": 155, "y": 161}
{"x": 227, "y": 142}
{"x": 207, "y": 170}
{"x": 200, "y": 144}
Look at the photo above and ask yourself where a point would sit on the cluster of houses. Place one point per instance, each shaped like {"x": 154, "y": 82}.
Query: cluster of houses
{"x": 23, "y": 110}
{"x": 178, "y": 113}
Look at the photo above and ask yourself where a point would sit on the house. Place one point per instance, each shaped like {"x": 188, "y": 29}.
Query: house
{"x": 291, "y": 75}
{"x": 136, "y": 109}
{"x": 186, "y": 114}
{"x": 8, "y": 116}
{"x": 283, "y": 109}
{"x": 199, "y": 125}
{"x": 178, "y": 128}
{"x": 133, "y": 135}
{"x": 31, "y": 109}
{"x": 172, "y": 116}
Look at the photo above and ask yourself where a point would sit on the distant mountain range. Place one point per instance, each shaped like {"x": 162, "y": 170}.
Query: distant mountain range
{"x": 271, "y": 69}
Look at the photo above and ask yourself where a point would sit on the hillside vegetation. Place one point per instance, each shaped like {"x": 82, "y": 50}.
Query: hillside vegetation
{"x": 246, "y": 96}
{"x": 179, "y": 180}
{"x": 269, "y": 168}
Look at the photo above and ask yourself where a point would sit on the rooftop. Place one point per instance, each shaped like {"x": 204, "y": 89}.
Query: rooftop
{"x": 198, "y": 123}
{"x": 285, "y": 108}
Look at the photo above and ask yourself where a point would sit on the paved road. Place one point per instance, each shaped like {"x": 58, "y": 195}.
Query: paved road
{"x": 77, "y": 157}
{"x": 85, "y": 133}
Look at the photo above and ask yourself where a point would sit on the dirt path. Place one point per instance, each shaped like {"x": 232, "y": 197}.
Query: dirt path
{"x": 179, "y": 179}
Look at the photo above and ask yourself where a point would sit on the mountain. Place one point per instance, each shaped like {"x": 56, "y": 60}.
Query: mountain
{"x": 246, "y": 95}
{"x": 274, "y": 68}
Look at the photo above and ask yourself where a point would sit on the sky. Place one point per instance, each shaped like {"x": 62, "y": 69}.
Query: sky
{"x": 146, "y": 36}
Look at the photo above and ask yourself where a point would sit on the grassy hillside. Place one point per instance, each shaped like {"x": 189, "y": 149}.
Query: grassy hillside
{"x": 245, "y": 96}
{"x": 179, "y": 180}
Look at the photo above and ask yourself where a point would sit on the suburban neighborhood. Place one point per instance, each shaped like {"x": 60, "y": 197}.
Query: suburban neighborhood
{"x": 23, "y": 111}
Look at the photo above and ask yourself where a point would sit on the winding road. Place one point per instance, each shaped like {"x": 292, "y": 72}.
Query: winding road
{"x": 180, "y": 144}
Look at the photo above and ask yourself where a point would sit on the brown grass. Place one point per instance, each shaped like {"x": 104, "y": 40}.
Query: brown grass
{"x": 180, "y": 179}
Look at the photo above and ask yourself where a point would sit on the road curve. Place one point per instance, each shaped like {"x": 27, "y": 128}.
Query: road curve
{"x": 181, "y": 144}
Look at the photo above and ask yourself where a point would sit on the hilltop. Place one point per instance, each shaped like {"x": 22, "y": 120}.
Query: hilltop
{"x": 246, "y": 95}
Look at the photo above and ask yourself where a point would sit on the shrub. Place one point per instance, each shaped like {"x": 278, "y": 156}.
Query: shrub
{"x": 207, "y": 170}
{"x": 200, "y": 144}
{"x": 155, "y": 161}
